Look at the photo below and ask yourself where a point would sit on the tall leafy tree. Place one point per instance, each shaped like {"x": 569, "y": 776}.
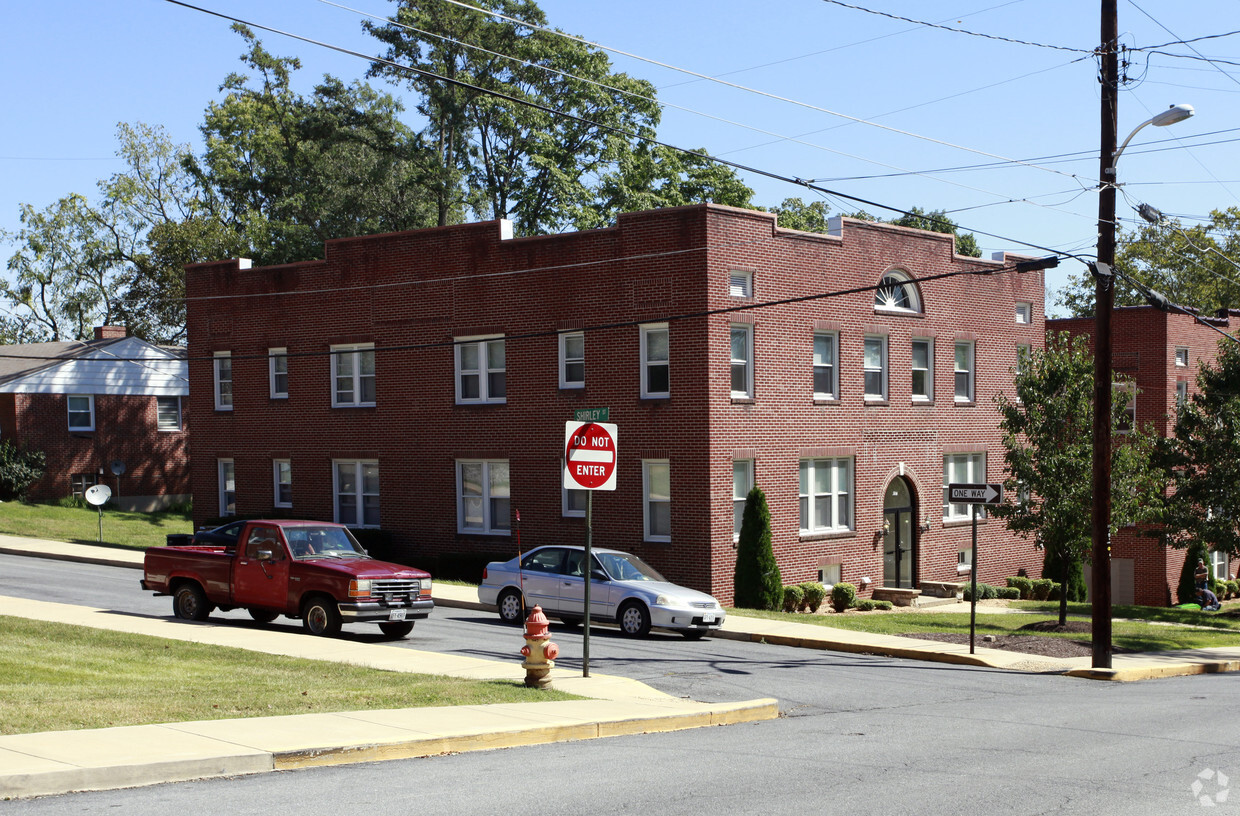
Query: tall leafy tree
{"x": 1047, "y": 437}
{"x": 1196, "y": 266}
{"x": 1203, "y": 460}
{"x": 793, "y": 213}
{"x": 937, "y": 221}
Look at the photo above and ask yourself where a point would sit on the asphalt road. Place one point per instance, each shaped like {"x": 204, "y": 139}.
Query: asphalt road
{"x": 859, "y": 734}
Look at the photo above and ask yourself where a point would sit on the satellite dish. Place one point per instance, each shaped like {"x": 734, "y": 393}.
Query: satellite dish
{"x": 98, "y": 495}
{"x": 117, "y": 467}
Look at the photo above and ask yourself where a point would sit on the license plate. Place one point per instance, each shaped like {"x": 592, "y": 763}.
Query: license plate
{"x": 396, "y": 615}
{"x": 708, "y": 619}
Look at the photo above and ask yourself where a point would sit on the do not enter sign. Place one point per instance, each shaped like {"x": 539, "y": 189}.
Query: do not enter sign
{"x": 590, "y": 456}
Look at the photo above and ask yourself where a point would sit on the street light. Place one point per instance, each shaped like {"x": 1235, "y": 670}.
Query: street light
{"x": 1104, "y": 302}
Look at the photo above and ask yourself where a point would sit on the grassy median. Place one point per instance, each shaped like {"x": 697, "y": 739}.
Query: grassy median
{"x": 56, "y": 677}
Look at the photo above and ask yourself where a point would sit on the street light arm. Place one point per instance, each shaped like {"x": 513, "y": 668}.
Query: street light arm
{"x": 1173, "y": 114}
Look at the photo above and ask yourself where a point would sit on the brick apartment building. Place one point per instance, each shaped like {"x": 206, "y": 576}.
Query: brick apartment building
{"x": 107, "y": 410}
{"x": 1160, "y": 353}
{"x": 420, "y": 382}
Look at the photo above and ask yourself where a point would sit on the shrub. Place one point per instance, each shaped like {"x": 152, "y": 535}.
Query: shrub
{"x": 1022, "y": 585}
{"x": 843, "y": 595}
{"x": 1233, "y": 589}
{"x": 814, "y": 595}
{"x": 756, "y": 582}
{"x": 883, "y": 605}
{"x": 1042, "y": 589}
{"x": 793, "y": 596}
{"x": 985, "y": 592}
{"x": 866, "y": 605}
{"x": 1009, "y": 593}
{"x": 19, "y": 469}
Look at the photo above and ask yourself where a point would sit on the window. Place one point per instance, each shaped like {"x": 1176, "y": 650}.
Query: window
{"x": 876, "y": 368}
{"x": 964, "y": 561}
{"x": 223, "y": 381}
{"x": 824, "y": 366}
{"x": 1024, "y": 354}
{"x": 923, "y": 370}
{"x": 277, "y": 372}
{"x": 1125, "y": 393}
{"x": 482, "y": 497}
{"x": 1181, "y": 356}
{"x": 964, "y": 372}
{"x": 78, "y": 483}
{"x": 657, "y": 504}
{"x": 82, "y": 413}
{"x": 742, "y": 483}
{"x": 355, "y": 492}
{"x": 168, "y": 413}
{"x": 826, "y": 495}
{"x": 573, "y": 502}
{"x": 742, "y": 361}
{"x": 656, "y": 379}
{"x": 1181, "y": 393}
{"x": 740, "y": 284}
{"x": 353, "y": 376}
{"x": 962, "y": 468}
{"x": 573, "y": 360}
{"x": 1024, "y": 312}
{"x": 227, "y": 481}
{"x": 829, "y": 575}
{"x": 481, "y": 373}
{"x": 897, "y": 293}
{"x": 1218, "y": 564}
{"x": 282, "y": 475}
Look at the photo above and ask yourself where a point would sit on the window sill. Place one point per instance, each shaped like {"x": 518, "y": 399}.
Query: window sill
{"x": 572, "y": 386}
{"x": 928, "y": 403}
{"x": 486, "y": 533}
{"x": 826, "y": 536}
{"x": 949, "y": 523}
{"x": 965, "y": 403}
{"x": 460, "y": 403}
{"x": 658, "y": 540}
{"x": 826, "y": 400}
{"x": 877, "y": 401}
{"x": 656, "y": 396}
{"x": 357, "y": 405}
{"x": 742, "y": 400}
{"x": 899, "y": 312}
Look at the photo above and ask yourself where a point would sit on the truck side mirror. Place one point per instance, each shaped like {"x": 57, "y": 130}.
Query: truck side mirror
{"x": 263, "y": 555}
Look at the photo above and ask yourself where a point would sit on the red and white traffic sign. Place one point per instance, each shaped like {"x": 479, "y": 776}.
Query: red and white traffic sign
{"x": 590, "y": 456}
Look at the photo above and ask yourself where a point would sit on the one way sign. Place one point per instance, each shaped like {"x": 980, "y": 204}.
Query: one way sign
{"x": 958, "y": 493}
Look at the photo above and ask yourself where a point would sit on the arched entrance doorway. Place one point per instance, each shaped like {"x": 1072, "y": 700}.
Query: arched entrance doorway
{"x": 899, "y": 535}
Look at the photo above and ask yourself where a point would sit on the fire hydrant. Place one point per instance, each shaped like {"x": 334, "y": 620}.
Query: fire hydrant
{"x": 540, "y": 653}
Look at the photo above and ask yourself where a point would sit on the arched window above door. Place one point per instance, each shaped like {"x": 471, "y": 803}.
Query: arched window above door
{"x": 897, "y": 292}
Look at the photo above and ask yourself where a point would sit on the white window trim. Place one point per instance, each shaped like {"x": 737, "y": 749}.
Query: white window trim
{"x": 90, "y": 404}
{"x": 483, "y": 371}
{"x": 180, "y": 417}
{"x": 971, "y": 370}
{"x": 747, "y": 328}
{"x": 275, "y": 487}
{"x": 272, "y": 355}
{"x": 1181, "y": 353}
{"x": 221, "y": 486}
{"x": 647, "y": 501}
{"x": 1130, "y": 407}
{"x": 1024, "y": 313}
{"x": 976, "y": 475}
{"x": 929, "y": 395}
{"x": 565, "y": 509}
{"x": 565, "y": 382}
{"x": 222, "y": 403}
{"x": 832, "y": 464}
{"x": 489, "y": 525}
{"x": 1181, "y": 393}
{"x": 646, "y": 363}
{"x": 744, "y": 278}
{"x": 834, "y": 393}
{"x": 360, "y": 495}
{"x": 747, "y": 477}
{"x": 354, "y": 350}
{"x": 882, "y": 370}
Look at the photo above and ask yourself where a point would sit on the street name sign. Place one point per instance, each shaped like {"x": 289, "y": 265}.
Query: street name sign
{"x": 591, "y": 414}
{"x": 590, "y": 456}
{"x": 960, "y": 493}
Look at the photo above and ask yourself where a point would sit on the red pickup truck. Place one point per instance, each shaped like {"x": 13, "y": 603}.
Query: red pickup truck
{"x": 311, "y": 570}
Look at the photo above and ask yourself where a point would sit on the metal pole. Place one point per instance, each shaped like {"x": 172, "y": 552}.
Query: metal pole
{"x": 973, "y": 594}
{"x": 1104, "y": 302}
{"x": 587, "y": 569}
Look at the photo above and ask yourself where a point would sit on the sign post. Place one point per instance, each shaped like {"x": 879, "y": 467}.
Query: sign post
{"x": 975, "y": 495}
{"x": 590, "y": 456}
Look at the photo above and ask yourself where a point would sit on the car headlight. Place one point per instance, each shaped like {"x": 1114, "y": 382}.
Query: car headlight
{"x": 662, "y": 600}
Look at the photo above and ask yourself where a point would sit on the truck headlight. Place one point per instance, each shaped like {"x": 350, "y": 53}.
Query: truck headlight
{"x": 359, "y": 589}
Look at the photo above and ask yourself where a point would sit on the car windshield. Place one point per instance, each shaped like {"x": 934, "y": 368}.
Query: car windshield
{"x": 322, "y": 542}
{"x": 626, "y": 567}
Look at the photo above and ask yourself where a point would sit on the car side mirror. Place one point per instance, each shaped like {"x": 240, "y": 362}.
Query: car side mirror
{"x": 599, "y": 575}
{"x": 263, "y": 555}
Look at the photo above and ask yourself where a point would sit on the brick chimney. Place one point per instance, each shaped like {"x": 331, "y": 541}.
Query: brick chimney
{"x": 110, "y": 332}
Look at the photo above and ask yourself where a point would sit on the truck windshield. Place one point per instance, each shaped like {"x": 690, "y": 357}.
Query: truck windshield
{"x": 322, "y": 542}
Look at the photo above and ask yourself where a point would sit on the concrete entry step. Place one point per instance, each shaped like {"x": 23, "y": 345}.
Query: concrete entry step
{"x": 941, "y": 589}
{"x": 898, "y": 597}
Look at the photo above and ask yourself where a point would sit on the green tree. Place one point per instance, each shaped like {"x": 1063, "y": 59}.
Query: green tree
{"x": 19, "y": 469}
{"x": 1193, "y": 266}
{"x": 756, "y": 582}
{"x": 793, "y": 213}
{"x": 937, "y": 221}
{"x": 1047, "y": 437}
{"x": 1202, "y": 460}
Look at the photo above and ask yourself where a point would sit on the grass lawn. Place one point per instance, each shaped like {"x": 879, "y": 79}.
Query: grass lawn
{"x": 81, "y": 524}
{"x": 56, "y": 677}
{"x": 1143, "y": 628}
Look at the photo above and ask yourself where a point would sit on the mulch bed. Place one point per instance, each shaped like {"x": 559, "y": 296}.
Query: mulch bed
{"x": 1029, "y": 644}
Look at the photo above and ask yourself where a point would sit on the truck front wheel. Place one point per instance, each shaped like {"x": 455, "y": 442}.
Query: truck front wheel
{"x": 189, "y": 602}
{"x": 321, "y": 617}
{"x": 396, "y": 629}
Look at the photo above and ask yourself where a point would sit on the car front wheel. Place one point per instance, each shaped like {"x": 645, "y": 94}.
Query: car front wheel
{"x": 634, "y": 620}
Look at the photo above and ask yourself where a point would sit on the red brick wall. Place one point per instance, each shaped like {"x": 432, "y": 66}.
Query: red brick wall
{"x": 157, "y": 462}
{"x": 411, "y": 293}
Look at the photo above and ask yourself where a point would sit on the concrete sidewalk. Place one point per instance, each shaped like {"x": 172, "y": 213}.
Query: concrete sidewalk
{"x": 58, "y": 762}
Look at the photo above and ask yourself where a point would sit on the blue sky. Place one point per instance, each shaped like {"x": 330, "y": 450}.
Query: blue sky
{"x": 874, "y": 107}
